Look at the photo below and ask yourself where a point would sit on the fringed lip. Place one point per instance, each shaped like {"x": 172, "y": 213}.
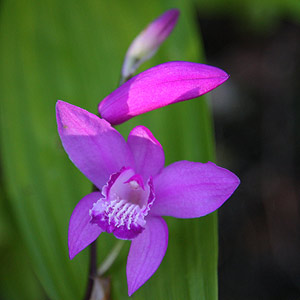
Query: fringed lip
{"x": 125, "y": 204}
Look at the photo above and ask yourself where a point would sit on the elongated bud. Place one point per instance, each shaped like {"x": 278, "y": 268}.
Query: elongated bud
{"x": 148, "y": 41}
{"x": 159, "y": 86}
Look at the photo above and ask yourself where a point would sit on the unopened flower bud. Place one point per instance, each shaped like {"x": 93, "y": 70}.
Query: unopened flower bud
{"x": 159, "y": 86}
{"x": 148, "y": 41}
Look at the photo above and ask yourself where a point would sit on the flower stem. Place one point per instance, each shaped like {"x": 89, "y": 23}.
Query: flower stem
{"x": 92, "y": 270}
{"x": 111, "y": 257}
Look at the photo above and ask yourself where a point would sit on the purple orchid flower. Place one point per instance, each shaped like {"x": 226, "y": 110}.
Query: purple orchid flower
{"x": 136, "y": 189}
{"x": 159, "y": 86}
{"x": 145, "y": 45}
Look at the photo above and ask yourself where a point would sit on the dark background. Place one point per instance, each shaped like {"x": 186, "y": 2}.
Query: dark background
{"x": 257, "y": 136}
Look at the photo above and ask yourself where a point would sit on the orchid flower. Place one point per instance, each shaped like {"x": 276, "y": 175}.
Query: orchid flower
{"x": 159, "y": 86}
{"x": 135, "y": 189}
{"x": 145, "y": 45}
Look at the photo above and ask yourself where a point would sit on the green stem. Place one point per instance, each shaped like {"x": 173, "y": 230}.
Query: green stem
{"x": 111, "y": 257}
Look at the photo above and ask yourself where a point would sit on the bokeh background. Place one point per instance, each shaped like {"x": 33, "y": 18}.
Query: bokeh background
{"x": 73, "y": 50}
{"x": 257, "y": 133}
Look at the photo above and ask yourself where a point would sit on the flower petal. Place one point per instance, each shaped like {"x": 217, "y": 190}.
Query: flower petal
{"x": 189, "y": 189}
{"x": 81, "y": 231}
{"x": 147, "y": 42}
{"x": 95, "y": 148}
{"x": 159, "y": 86}
{"x": 147, "y": 151}
{"x": 146, "y": 253}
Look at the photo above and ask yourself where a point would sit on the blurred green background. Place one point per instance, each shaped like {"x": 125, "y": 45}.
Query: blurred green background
{"x": 73, "y": 50}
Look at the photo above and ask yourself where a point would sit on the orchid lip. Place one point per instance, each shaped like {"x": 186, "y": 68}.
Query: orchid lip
{"x": 125, "y": 204}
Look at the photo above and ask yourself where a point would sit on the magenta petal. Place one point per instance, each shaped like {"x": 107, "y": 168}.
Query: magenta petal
{"x": 95, "y": 148}
{"x": 189, "y": 189}
{"x": 81, "y": 231}
{"x": 147, "y": 151}
{"x": 146, "y": 253}
{"x": 159, "y": 86}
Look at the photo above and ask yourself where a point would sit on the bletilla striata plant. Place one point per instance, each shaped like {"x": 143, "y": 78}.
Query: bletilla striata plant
{"x": 135, "y": 189}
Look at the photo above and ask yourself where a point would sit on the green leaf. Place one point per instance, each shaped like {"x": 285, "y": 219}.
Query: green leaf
{"x": 73, "y": 50}
{"x": 17, "y": 278}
